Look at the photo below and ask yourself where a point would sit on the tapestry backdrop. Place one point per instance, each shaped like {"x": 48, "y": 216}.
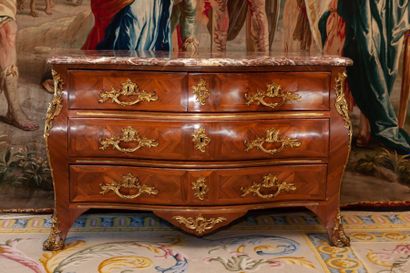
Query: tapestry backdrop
{"x": 371, "y": 32}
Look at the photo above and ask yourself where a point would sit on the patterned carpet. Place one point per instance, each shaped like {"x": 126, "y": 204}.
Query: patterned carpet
{"x": 140, "y": 242}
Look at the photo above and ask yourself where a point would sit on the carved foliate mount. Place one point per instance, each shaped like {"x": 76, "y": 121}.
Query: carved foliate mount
{"x": 201, "y": 92}
{"x": 129, "y": 89}
{"x": 200, "y": 139}
{"x": 338, "y": 236}
{"x": 200, "y": 188}
{"x": 199, "y": 224}
{"x": 341, "y": 104}
{"x": 269, "y": 182}
{"x": 272, "y": 137}
{"x": 129, "y": 134}
{"x": 55, "y": 240}
{"x": 273, "y": 91}
{"x": 56, "y": 104}
{"x": 128, "y": 182}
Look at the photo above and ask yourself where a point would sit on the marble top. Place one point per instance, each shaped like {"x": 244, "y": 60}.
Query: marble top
{"x": 149, "y": 58}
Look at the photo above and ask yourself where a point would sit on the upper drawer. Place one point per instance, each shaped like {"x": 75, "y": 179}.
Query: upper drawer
{"x": 127, "y": 90}
{"x": 242, "y": 92}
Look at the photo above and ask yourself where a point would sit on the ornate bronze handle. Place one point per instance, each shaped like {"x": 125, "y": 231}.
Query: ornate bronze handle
{"x": 128, "y": 182}
{"x": 200, "y": 188}
{"x": 128, "y": 89}
{"x": 273, "y": 91}
{"x": 269, "y": 181}
{"x": 200, "y": 139}
{"x": 272, "y": 136}
{"x": 129, "y": 134}
{"x": 200, "y": 224}
{"x": 201, "y": 91}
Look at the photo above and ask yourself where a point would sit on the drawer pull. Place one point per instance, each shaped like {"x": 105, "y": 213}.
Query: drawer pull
{"x": 128, "y": 182}
{"x": 272, "y": 137}
{"x": 273, "y": 91}
{"x": 200, "y": 188}
{"x": 129, "y": 134}
{"x": 201, "y": 92}
{"x": 200, "y": 139}
{"x": 128, "y": 89}
{"x": 200, "y": 224}
{"x": 269, "y": 181}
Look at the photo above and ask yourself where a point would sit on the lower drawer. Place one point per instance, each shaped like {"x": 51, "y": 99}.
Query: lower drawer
{"x": 165, "y": 186}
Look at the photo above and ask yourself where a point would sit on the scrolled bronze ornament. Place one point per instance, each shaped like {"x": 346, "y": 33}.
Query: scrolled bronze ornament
{"x": 338, "y": 236}
{"x": 55, "y": 241}
{"x": 200, "y": 139}
{"x": 199, "y": 224}
{"x": 56, "y": 104}
{"x": 128, "y": 89}
{"x": 128, "y": 182}
{"x": 272, "y": 137}
{"x": 273, "y": 91}
{"x": 201, "y": 92}
{"x": 200, "y": 188}
{"x": 129, "y": 134}
{"x": 269, "y": 182}
{"x": 341, "y": 104}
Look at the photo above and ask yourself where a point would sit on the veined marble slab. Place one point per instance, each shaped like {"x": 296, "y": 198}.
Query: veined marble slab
{"x": 158, "y": 58}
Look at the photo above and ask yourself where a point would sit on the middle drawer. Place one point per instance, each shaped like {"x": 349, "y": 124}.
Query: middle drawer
{"x": 199, "y": 140}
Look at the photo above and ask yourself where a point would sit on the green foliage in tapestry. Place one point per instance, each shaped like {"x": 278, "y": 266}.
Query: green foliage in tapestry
{"x": 387, "y": 164}
{"x": 24, "y": 167}
{"x": 8, "y": 162}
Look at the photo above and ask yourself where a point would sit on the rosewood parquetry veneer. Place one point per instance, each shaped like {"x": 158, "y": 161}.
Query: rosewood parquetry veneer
{"x": 199, "y": 141}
